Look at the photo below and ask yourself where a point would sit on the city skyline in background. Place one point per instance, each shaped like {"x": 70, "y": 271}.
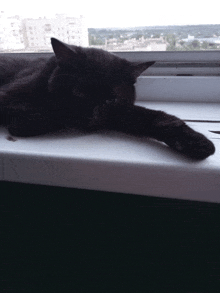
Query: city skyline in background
{"x": 20, "y": 34}
{"x": 115, "y": 25}
{"x": 102, "y": 14}
{"x": 29, "y": 35}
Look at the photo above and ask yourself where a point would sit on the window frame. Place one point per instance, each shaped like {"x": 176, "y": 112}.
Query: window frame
{"x": 168, "y": 63}
{"x": 28, "y": 160}
{"x": 192, "y": 76}
{"x": 184, "y": 76}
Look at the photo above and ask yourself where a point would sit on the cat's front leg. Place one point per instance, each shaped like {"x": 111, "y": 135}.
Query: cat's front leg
{"x": 140, "y": 121}
{"x": 179, "y": 136}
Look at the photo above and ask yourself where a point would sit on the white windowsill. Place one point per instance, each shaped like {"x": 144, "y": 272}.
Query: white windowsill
{"x": 117, "y": 162}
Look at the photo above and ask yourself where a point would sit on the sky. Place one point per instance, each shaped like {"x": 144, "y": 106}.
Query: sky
{"x": 116, "y": 13}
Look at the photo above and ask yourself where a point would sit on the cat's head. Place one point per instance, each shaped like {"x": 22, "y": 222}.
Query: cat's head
{"x": 96, "y": 74}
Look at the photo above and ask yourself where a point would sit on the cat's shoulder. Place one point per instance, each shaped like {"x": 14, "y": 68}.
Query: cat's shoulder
{"x": 10, "y": 63}
{"x": 21, "y": 60}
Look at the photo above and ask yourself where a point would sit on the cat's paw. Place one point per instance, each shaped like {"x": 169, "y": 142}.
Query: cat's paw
{"x": 193, "y": 144}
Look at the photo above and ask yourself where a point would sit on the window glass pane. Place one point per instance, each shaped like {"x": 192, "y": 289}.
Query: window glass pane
{"x": 27, "y": 26}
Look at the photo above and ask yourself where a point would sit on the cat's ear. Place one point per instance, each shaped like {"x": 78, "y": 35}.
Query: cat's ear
{"x": 64, "y": 53}
{"x": 139, "y": 67}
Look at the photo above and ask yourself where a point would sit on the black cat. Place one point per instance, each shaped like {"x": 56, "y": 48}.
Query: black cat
{"x": 90, "y": 89}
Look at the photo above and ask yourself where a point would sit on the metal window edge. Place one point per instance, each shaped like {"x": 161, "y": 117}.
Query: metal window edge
{"x": 178, "y": 88}
{"x": 167, "y": 62}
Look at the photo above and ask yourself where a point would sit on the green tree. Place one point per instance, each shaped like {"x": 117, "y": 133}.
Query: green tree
{"x": 204, "y": 45}
{"x": 172, "y": 40}
{"x": 95, "y": 41}
{"x": 195, "y": 44}
{"x": 156, "y": 36}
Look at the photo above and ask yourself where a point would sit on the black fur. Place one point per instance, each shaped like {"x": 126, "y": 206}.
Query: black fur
{"x": 89, "y": 89}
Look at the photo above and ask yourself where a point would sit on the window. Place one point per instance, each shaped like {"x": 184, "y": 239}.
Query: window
{"x": 160, "y": 26}
{"x": 183, "y": 39}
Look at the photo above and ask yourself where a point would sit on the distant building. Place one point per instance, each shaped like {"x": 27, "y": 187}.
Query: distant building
{"x": 142, "y": 44}
{"x": 37, "y": 32}
{"x": 11, "y": 36}
{"x": 191, "y": 38}
{"x": 155, "y": 47}
{"x": 18, "y": 34}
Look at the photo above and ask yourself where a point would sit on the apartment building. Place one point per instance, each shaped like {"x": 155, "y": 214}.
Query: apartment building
{"x": 18, "y": 34}
{"x": 11, "y": 36}
{"x": 37, "y": 32}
